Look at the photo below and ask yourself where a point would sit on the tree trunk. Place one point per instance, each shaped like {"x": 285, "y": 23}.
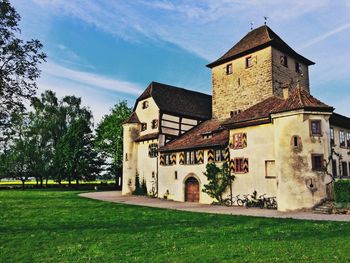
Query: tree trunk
{"x": 37, "y": 182}
{"x": 41, "y": 182}
{"x": 77, "y": 183}
{"x": 46, "y": 182}
{"x": 23, "y": 181}
{"x": 69, "y": 181}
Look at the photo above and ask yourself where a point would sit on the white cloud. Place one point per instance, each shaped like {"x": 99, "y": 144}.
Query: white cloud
{"x": 326, "y": 35}
{"x": 91, "y": 79}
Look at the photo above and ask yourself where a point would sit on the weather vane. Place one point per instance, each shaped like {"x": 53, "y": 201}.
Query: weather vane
{"x": 265, "y": 18}
{"x": 251, "y": 25}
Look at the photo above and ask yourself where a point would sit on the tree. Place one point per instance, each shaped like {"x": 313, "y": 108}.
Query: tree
{"x": 109, "y": 138}
{"x": 19, "y": 68}
{"x": 219, "y": 179}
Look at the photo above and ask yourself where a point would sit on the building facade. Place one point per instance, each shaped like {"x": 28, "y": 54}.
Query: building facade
{"x": 278, "y": 139}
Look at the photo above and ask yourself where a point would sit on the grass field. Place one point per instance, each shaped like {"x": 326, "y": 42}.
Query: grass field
{"x": 50, "y": 182}
{"x": 50, "y": 226}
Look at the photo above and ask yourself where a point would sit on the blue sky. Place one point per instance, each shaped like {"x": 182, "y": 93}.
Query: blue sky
{"x": 109, "y": 50}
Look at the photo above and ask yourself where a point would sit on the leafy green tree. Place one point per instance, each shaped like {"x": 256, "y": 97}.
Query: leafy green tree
{"x": 19, "y": 69}
{"x": 109, "y": 138}
{"x": 219, "y": 179}
{"x": 76, "y": 148}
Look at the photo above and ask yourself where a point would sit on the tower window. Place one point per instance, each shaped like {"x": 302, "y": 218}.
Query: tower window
{"x": 145, "y": 104}
{"x": 155, "y": 124}
{"x": 249, "y": 62}
{"x": 143, "y": 126}
{"x": 229, "y": 69}
{"x": 317, "y": 162}
{"x": 284, "y": 60}
{"x": 315, "y": 128}
{"x": 298, "y": 67}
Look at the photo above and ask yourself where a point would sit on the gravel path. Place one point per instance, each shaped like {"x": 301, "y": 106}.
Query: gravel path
{"x": 116, "y": 197}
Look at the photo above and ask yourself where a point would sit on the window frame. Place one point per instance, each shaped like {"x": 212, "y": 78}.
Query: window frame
{"x": 145, "y": 104}
{"x": 347, "y": 139}
{"x": 222, "y": 155}
{"x": 344, "y": 165}
{"x": 247, "y": 60}
{"x": 241, "y": 170}
{"x": 342, "y": 144}
{"x": 143, "y": 126}
{"x": 319, "y": 134}
{"x": 229, "y": 69}
{"x": 332, "y": 137}
{"x": 191, "y": 157}
{"x": 284, "y": 62}
{"x": 298, "y": 68}
{"x": 153, "y": 150}
{"x": 154, "y": 124}
{"x": 313, "y": 162}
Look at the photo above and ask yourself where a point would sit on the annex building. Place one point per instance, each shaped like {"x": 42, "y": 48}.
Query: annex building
{"x": 261, "y": 118}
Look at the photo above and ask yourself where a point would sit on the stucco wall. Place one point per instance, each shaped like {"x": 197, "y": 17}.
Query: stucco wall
{"x": 294, "y": 167}
{"x": 147, "y": 115}
{"x": 176, "y": 187}
{"x": 260, "y": 148}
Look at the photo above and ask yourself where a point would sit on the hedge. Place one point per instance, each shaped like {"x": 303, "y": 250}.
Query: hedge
{"x": 342, "y": 191}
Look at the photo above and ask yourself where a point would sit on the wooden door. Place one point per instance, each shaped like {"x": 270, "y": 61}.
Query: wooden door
{"x": 192, "y": 190}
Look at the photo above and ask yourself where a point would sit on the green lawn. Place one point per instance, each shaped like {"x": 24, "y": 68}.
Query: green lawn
{"x": 50, "y": 226}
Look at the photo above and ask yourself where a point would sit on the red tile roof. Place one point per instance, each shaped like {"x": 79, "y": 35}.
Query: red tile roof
{"x": 198, "y": 137}
{"x": 146, "y": 137}
{"x": 261, "y": 112}
{"x": 132, "y": 118}
{"x": 257, "y": 39}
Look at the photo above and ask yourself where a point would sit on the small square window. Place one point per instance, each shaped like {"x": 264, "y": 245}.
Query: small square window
{"x": 143, "y": 126}
{"x": 315, "y": 128}
{"x": 239, "y": 165}
{"x": 284, "y": 60}
{"x": 229, "y": 69}
{"x": 317, "y": 162}
{"x": 249, "y": 62}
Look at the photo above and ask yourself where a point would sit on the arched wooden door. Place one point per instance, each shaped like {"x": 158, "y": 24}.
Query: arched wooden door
{"x": 192, "y": 190}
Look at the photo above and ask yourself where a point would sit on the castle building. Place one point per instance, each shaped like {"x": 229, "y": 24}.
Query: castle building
{"x": 261, "y": 118}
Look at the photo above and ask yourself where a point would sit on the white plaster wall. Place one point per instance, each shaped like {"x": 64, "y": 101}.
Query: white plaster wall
{"x": 295, "y": 168}
{"x": 130, "y": 132}
{"x": 260, "y": 148}
{"x": 176, "y": 187}
{"x": 148, "y": 115}
{"x": 146, "y": 166}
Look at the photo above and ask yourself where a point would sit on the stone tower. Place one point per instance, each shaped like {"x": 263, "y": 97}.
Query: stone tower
{"x": 254, "y": 69}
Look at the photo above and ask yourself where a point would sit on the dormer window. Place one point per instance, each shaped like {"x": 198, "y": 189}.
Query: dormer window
{"x": 155, "y": 124}
{"x": 145, "y": 104}
{"x": 249, "y": 62}
{"x": 229, "y": 69}
{"x": 143, "y": 126}
{"x": 284, "y": 60}
{"x": 298, "y": 67}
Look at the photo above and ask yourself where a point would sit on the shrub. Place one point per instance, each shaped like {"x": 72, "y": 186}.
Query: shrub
{"x": 342, "y": 191}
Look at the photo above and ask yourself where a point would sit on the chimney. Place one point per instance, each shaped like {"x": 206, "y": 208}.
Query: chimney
{"x": 285, "y": 90}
